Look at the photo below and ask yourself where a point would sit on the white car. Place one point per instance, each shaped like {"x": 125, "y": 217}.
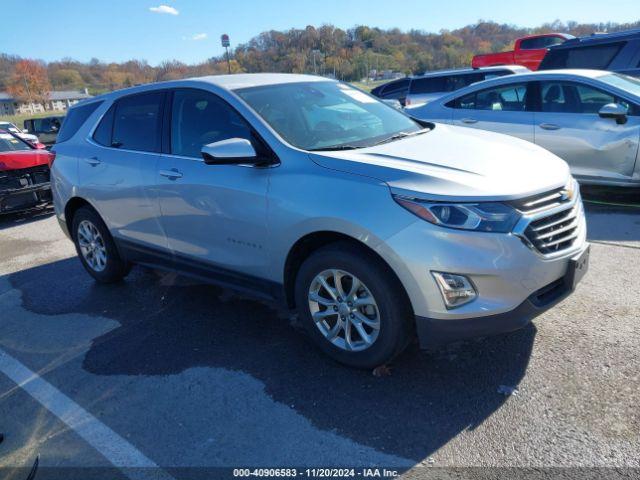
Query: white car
{"x": 23, "y": 134}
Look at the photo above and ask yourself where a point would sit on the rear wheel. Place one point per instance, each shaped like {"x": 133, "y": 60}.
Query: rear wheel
{"x": 352, "y": 306}
{"x": 96, "y": 248}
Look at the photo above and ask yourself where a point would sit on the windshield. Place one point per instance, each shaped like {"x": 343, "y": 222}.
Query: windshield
{"x": 624, "y": 82}
{"x": 326, "y": 115}
{"x": 9, "y": 143}
{"x": 10, "y": 127}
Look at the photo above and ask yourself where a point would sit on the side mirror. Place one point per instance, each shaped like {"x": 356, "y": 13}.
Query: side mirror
{"x": 616, "y": 111}
{"x": 233, "y": 151}
{"x": 40, "y": 146}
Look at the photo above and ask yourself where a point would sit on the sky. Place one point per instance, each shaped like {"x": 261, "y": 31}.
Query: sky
{"x": 189, "y": 30}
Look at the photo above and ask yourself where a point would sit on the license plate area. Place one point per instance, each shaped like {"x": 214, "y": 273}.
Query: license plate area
{"x": 577, "y": 268}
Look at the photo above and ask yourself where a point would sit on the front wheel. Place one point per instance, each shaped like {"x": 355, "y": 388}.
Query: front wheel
{"x": 353, "y": 306}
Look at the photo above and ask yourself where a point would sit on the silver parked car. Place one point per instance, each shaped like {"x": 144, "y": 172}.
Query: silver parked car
{"x": 590, "y": 118}
{"x": 308, "y": 191}
{"x": 433, "y": 85}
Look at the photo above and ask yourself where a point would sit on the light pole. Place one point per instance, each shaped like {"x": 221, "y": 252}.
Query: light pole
{"x": 224, "y": 39}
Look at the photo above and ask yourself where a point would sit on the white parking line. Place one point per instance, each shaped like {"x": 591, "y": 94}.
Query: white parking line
{"x": 122, "y": 454}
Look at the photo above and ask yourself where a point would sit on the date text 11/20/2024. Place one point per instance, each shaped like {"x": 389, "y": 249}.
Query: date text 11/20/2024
{"x": 316, "y": 472}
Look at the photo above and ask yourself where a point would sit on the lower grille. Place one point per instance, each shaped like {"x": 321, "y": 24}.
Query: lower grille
{"x": 25, "y": 177}
{"x": 555, "y": 232}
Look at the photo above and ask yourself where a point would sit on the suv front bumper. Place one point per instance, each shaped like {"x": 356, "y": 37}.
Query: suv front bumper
{"x": 434, "y": 333}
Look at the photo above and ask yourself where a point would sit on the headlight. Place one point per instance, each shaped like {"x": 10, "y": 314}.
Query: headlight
{"x": 481, "y": 216}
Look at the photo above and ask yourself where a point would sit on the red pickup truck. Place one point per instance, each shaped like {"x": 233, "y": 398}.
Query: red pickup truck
{"x": 528, "y": 52}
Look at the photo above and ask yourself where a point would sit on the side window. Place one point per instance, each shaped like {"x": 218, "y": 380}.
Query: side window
{"x": 199, "y": 118}
{"x": 510, "y": 98}
{"x": 456, "y": 82}
{"x": 74, "y": 120}
{"x": 468, "y": 102}
{"x": 592, "y": 100}
{"x": 598, "y": 57}
{"x": 138, "y": 122}
{"x": 103, "y": 132}
{"x": 395, "y": 89}
{"x": 428, "y": 85}
{"x": 496, "y": 74}
{"x": 564, "y": 97}
{"x": 540, "y": 42}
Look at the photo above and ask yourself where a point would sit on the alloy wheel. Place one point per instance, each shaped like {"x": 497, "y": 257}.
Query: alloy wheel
{"x": 344, "y": 310}
{"x": 92, "y": 246}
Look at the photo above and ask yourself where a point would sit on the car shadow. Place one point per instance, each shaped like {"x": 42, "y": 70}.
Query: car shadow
{"x": 169, "y": 324}
{"x": 9, "y": 220}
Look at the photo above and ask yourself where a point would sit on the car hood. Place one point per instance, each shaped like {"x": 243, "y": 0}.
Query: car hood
{"x": 24, "y": 159}
{"x": 455, "y": 162}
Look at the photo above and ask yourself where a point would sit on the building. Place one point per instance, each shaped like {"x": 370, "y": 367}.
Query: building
{"x": 57, "y": 102}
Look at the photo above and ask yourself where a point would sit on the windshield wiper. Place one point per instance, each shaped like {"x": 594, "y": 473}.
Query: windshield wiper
{"x": 400, "y": 135}
{"x": 336, "y": 147}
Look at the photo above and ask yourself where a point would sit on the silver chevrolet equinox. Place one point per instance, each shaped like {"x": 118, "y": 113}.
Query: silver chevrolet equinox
{"x": 308, "y": 191}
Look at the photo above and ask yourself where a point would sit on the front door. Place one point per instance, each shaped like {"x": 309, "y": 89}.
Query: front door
{"x": 214, "y": 215}
{"x": 569, "y": 126}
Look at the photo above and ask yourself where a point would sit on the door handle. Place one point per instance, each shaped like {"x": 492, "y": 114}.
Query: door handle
{"x": 469, "y": 120}
{"x": 93, "y": 161}
{"x": 171, "y": 174}
{"x": 550, "y": 126}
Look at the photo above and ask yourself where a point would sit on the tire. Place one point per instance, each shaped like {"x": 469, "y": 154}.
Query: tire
{"x": 381, "y": 293}
{"x": 108, "y": 268}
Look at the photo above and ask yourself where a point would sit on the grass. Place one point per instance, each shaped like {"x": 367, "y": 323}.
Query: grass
{"x": 368, "y": 86}
{"x": 19, "y": 119}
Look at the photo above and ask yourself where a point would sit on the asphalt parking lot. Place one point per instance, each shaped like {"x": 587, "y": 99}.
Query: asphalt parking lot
{"x": 163, "y": 371}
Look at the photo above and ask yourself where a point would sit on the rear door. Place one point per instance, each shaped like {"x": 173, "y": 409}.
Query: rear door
{"x": 568, "y": 125}
{"x": 118, "y": 174}
{"x": 503, "y": 109}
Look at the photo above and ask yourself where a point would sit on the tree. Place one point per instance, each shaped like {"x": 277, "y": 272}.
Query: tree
{"x": 67, "y": 78}
{"x": 29, "y": 82}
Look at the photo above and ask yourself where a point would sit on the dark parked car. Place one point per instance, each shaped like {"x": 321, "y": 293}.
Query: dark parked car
{"x": 45, "y": 128}
{"x": 422, "y": 89}
{"x": 617, "y": 52}
{"x": 394, "y": 90}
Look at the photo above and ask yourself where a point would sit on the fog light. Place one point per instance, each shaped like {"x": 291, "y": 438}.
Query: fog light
{"x": 456, "y": 290}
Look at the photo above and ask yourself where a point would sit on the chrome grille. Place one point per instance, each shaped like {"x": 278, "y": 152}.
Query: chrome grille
{"x": 551, "y": 220}
{"x": 555, "y": 232}
{"x": 542, "y": 201}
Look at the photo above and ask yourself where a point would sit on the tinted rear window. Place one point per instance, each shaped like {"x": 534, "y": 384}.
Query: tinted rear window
{"x": 138, "y": 122}
{"x": 427, "y": 85}
{"x": 395, "y": 87}
{"x": 597, "y": 57}
{"x": 75, "y": 119}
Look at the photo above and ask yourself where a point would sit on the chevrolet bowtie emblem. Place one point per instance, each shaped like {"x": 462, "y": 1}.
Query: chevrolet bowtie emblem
{"x": 566, "y": 194}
